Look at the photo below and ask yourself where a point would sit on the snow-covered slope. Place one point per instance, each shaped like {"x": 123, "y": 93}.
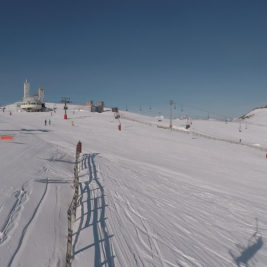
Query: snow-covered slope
{"x": 148, "y": 196}
{"x": 257, "y": 116}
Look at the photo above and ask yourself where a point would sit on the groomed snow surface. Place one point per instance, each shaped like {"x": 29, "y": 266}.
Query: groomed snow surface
{"x": 148, "y": 196}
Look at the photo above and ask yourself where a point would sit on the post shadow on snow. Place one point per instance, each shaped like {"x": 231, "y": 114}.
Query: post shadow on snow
{"x": 89, "y": 214}
{"x": 16, "y": 143}
{"x": 60, "y": 160}
{"x": 95, "y": 217}
{"x": 27, "y": 130}
{"x": 82, "y": 117}
{"x": 35, "y": 130}
{"x": 53, "y": 181}
{"x": 248, "y": 253}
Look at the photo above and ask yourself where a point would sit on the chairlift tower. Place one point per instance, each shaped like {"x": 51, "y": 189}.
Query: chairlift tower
{"x": 65, "y": 100}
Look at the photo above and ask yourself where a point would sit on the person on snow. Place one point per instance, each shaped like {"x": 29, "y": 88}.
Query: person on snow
{"x": 45, "y": 122}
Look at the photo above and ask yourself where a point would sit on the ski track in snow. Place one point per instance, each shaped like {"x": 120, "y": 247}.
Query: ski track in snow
{"x": 152, "y": 231}
{"x": 55, "y": 260}
{"x": 26, "y": 227}
{"x": 148, "y": 241}
{"x": 21, "y": 197}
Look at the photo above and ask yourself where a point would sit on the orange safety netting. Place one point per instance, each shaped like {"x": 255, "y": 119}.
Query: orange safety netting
{"x": 6, "y": 137}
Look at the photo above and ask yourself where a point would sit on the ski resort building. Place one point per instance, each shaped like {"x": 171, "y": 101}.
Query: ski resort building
{"x": 99, "y": 107}
{"x": 34, "y": 103}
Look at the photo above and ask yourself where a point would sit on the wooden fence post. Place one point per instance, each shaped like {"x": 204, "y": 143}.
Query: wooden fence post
{"x": 74, "y": 203}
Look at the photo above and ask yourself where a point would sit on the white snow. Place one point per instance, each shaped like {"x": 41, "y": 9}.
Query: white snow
{"x": 149, "y": 196}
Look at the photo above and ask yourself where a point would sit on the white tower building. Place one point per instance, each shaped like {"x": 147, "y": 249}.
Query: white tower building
{"x": 26, "y": 90}
{"x": 41, "y": 94}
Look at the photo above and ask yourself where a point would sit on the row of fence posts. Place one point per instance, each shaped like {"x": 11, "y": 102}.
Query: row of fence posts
{"x": 73, "y": 206}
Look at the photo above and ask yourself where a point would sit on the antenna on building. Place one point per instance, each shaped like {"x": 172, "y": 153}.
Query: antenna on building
{"x": 41, "y": 94}
{"x": 171, "y": 103}
{"x": 26, "y": 90}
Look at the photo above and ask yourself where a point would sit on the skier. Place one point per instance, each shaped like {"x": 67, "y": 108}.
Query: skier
{"x": 45, "y": 122}
{"x": 49, "y": 122}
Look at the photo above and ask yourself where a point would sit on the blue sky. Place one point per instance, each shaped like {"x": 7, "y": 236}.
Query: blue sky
{"x": 208, "y": 56}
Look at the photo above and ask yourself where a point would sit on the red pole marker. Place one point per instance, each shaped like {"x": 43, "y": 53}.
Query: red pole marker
{"x": 79, "y": 147}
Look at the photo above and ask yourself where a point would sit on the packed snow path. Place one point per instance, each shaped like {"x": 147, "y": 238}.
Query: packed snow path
{"x": 155, "y": 218}
{"x": 148, "y": 196}
{"x": 35, "y": 176}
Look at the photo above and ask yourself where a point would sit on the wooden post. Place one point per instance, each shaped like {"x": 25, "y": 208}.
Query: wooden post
{"x": 73, "y": 205}
{"x": 69, "y": 242}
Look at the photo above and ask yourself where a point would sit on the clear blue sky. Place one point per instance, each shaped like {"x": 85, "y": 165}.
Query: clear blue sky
{"x": 205, "y": 55}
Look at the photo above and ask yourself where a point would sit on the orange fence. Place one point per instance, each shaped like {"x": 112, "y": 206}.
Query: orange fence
{"x": 6, "y": 137}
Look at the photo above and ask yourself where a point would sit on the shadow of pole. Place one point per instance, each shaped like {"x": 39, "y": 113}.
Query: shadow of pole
{"x": 107, "y": 248}
{"x": 247, "y": 253}
{"x": 101, "y": 236}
